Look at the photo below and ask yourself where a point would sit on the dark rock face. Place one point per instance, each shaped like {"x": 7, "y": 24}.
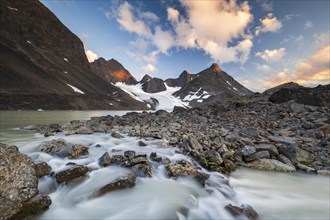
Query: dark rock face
{"x": 40, "y": 57}
{"x": 183, "y": 79}
{"x": 112, "y": 71}
{"x": 213, "y": 83}
{"x": 72, "y": 173}
{"x": 318, "y": 96}
{"x": 153, "y": 85}
{"x": 19, "y": 183}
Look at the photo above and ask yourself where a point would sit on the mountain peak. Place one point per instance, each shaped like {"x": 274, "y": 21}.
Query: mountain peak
{"x": 215, "y": 67}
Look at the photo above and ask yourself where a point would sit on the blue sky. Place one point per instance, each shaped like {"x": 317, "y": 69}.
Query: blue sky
{"x": 260, "y": 43}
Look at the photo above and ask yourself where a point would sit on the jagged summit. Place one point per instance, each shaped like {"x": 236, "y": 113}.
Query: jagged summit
{"x": 112, "y": 71}
{"x": 215, "y": 67}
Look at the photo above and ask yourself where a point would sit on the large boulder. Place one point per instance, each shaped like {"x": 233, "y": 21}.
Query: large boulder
{"x": 271, "y": 164}
{"x": 71, "y": 173}
{"x": 245, "y": 210}
{"x": 62, "y": 148}
{"x": 18, "y": 185}
{"x": 119, "y": 183}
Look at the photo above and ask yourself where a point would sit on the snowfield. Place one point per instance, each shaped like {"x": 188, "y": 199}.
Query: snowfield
{"x": 165, "y": 98}
{"x": 76, "y": 89}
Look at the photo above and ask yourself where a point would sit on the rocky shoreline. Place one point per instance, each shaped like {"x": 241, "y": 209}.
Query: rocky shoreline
{"x": 261, "y": 135}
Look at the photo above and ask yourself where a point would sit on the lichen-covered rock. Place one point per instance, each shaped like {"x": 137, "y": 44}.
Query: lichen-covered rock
{"x": 62, "y": 148}
{"x": 271, "y": 164}
{"x": 18, "y": 180}
{"x": 42, "y": 169}
{"x": 72, "y": 173}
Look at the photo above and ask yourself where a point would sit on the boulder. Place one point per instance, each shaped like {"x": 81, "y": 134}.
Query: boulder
{"x": 142, "y": 144}
{"x": 154, "y": 157}
{"x": 62, "y": 148}
{"x": 18, "y": 181}
{"x": 249, "y": 132}
{"x": 72, "y": 173}
{"x": 142, "y": 169}
{"x": 323, "y": 173}
{"x": 42, "y": 169}
{"x": 248, "y": 150}
{"x": 258, "y": 155}
{"x": 181, "y": 168}
{"x": 269, "y": 147}
{"x": 295, "y": 154}
{"x": 116, "y": 135}
{"x": 35, "y": 205}
{"x": 129, "y": 154}
{"x": 245, "y": 210}
{"x": 283, "y": 140}
{"x": 117, "y": 184}
{"x": 104, "y": 160}
{"x": 271, "y": 164}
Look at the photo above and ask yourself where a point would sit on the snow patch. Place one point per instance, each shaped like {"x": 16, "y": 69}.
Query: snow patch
{"x": 40, "y": 110}
{"x": 235, "y": 89}
{"x": 29, "y": 42}
{"x": 65, "y": 72}
{"x": 110, "y": 103}
{"x": 13, "y": 9}
{"x": 76, "y": 89}
{"x": 165, "y": 98}
{"x": 228, "y": 82}
{"x": 65, "y": 59}
{"x": 200, "y": 100}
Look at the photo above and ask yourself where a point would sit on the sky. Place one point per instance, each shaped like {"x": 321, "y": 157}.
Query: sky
{"x": 261, "y": 43}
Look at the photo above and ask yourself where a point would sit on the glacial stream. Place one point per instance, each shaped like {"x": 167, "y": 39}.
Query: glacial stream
{"x": 273, "y": 195}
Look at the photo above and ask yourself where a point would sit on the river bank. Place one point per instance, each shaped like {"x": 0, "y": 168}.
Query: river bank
{"x": 194, "y": 149}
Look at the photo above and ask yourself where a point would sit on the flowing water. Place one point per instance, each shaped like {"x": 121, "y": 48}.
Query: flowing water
{"x": 274, "y": 195}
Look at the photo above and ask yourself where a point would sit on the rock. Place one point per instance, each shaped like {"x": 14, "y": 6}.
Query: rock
{"x": 166, "y": 161}
{"x": 248, "y": 150}
{"x": 305, "y": 168}
{"x": 62, "y": 148}
{"x": 269, "y": 147}
{"x": 142, "y": 144}
{"x": 34, "y": 206}
{"x": 129, "y": 154}
{"x": 245, "y": 210}
{"x": 296, "y": 107}
{"x": 154, "y": 157}
{"x": 271, "y": 164}
{"x": 249, "y": 132}
{"x": 258, "y": 155}
{"x": 71, "y": 173}
{"x": 296, "y": 154}
{"x": 325, "y": 130}
{"x": 178, "y": 109}
{"x": 77, "y": 150}
{"x": 116, "y": 135}
{"x": 42, "y": 169}
{"x": 119, "y": 183}
{"x": 181, "y": 168}
{"x": 119, "y": 160}
{"x": 142, "y": 169}
{"x": 283, "y": 140}
{"x": 193, "y": 143}
{"x": 323, "y": 173}
{"x": 139, "y": 159}
{"x": 104, "y": 160}
{"x": 284, "y": 159}
{"x": 18, "y": 181}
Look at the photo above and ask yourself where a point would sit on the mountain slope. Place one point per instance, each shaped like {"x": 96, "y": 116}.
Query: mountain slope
{"x": 112, "y": 71}
{"x": 211, "y": 85}
{"x": 43, "y": 64}
{"x": 183, "y": 79}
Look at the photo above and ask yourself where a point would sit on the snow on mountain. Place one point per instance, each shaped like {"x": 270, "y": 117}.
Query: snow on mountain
{"x": 165, "y": 99}
{"x": 76, "y": 89}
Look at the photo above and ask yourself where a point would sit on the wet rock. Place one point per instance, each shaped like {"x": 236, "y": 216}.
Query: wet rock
{"x": 166, "y": 161}
{"x": 129, "y": 154}
{"x": 18, "y": 180}
{"x": 142, "y": 169}
{"x": 245, "y": 210}
{"x": 62, "y": 148}
{"x": 181, "y": 168}
{"x": 248, "y": 150}
{"x": 269, "y": 147}
{"x": 271, "y": 164}
{"x": 104, "y": 160}
{"x": 154, "y": 157}
{"x": 42, "y": 169}
{"x": 284, "y": 159}
{"x": 77, "y": 150}
{"x": 119, "y": 160}
{"x": 295, "y": 154}
{"x": 139, "y": 159}
{"x": 34, "y": 206}
{"x": 119, "y": 183}
{"x": 323, "y": 173}
{"x": 71, "y": 173}
{"x": 84, "y": 131}
{"x": 305, "y": 168}
{"x": 142, "y": 144}
{"x": 116, "y": 135}
{"x": 258, "y": 155}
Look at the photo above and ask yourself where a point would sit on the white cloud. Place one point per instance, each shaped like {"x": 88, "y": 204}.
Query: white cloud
{"x": 91, "y": 56}
{"x": 272, "y": 55}
{"x": 269, "y": 24}
{"x": 150, "y": 68}
{"x": 149, "y": 16}
{"x": 163, "y": 40}
{"x": 311, "y": 71}
{"x": 128, "y": 22}
{"x": 264, "y": 68}
{"x": 266, "y": 5}
{"x": 308, "y": 24}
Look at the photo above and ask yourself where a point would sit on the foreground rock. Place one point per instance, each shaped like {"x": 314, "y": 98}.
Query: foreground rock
{"x": 119, "y": 183}
{"x": 71, "y": 173}
{"x": 18, "y": 185}
{"x": 271, "y": 164}
{"x": 245, "y": 210}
